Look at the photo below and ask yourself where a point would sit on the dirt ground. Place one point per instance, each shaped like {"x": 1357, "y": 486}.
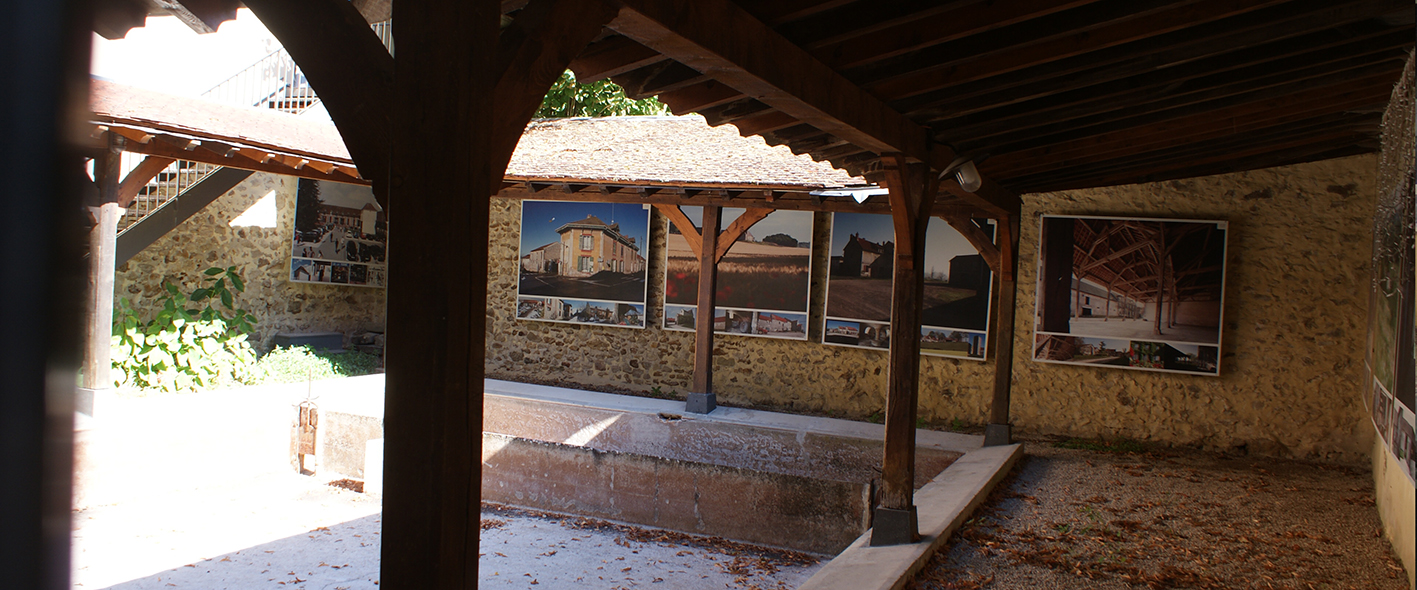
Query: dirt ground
{"x": 1118, "y": 516}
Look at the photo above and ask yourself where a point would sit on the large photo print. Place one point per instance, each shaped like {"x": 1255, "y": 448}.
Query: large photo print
{"x": 1132, "y": 293}
{"x": 583, "y": 263}
{"x": 1390, "y": 354}
{"x": 340, "y": 235}
{"x": 958, "y": 287}
{"x": 763, "y": 279}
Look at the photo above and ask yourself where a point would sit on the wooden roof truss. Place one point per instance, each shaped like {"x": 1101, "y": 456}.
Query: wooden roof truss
{"x": 1141, "y": 259}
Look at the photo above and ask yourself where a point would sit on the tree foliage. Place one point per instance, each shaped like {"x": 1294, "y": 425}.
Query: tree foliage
{"x": 568, "y": 98}
{"x": 781, "y": 240}
{"x": 307, "y": 204}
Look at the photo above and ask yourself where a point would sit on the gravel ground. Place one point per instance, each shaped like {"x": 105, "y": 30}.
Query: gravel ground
{"x": 1121, "y": 517}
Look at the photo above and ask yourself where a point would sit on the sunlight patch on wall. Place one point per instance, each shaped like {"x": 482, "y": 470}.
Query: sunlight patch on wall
{"x": 260, "y": 214}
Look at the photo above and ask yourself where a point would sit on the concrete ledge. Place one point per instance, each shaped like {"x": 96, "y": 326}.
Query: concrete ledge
{"x": 759, "y": 419}
{"x": 807, "y": 446}
{"x": 943, "y": 505}
{"x": 793, "y": 512}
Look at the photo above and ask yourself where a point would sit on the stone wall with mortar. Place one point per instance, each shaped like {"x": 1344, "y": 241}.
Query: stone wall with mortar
{"x": 1295, "y": 307}
{"x": 262, "y": 258}
{"x": 1299, "y": 250}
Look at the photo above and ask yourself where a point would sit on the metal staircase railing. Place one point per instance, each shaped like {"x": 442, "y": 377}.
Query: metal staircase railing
{"x": 274, "y": 81}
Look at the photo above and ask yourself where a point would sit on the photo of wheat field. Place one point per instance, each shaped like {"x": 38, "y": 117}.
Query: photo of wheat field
{"x": 768, "y": 269}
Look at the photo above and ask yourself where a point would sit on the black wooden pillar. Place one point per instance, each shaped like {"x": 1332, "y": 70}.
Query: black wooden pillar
{"x": 440, "y": 180}
{"x": 43, "y": 90}
{"x": 1057, "y": 281}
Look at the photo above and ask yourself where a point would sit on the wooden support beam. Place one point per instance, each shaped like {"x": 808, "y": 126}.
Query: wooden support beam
{"x": 139, "y": 177}
{"x": 999, "y": 430}
{"x": 735, "y": 230}
{"x": 351, "y": 70}
{"x": 718, "y": 37}
{"x": 1057, "y": 270}
{"x": 612, "y": 57}
{"x": 1115, "y": 254}
{"x": 977, "y": 238}
{"x": 532, "y": 53}
{"x": 276, "y": 164}
{"x": 440, "y": 176}
{"x": 912, "y": 194}
{"x": 45, "y": 63}
{"x": 103, "y": 239}
{"x": 793, "y": 200}
{"x": 202, "y": 16}
{"x": 683, "y": 224}
{"x": 702, "y": 399}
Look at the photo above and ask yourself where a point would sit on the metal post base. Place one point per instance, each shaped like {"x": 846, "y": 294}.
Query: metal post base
{"x": 700, "y": 403}
{"x": 890, "y": 526}
{"x": 996, "y": 435}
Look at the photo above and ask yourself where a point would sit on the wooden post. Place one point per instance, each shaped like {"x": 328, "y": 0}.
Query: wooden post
{"x": 1160, "y": 278}
{"x": 42, "y": 303}
{"x": 912, "y": 194}
{"x": 702, "y": 399}
{"x": 998, "y": 431}
{"x": 439, "y": 179}
{"x": 1107, "y": 311}
{"x": 103, "y": 245}
{"x": 1057, "y": 273}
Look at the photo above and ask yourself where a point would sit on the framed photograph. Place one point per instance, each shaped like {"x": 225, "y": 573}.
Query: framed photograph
{"x": 763, "y": 279}
{"x": 340, "y": 235}
{"x": 958, "y": 287}
{"x": 1133, "y": 293}
{"x": 583, "y": 263}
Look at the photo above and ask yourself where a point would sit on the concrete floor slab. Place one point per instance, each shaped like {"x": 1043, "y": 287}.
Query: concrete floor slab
{"x": 943, "y": 505}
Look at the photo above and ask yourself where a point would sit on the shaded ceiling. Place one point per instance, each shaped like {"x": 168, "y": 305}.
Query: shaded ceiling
{"x": 1058, "y": 94}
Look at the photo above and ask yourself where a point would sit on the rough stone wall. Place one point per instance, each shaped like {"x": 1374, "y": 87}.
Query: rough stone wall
{"x": 1292, "y": 333}
{"x": 262, "y": 258}
{"x": 1295, "y": 307}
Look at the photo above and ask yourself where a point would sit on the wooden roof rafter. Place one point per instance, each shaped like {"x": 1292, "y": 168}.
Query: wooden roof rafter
{"x": 1026, "y": 89}
{"x": 160, "y": 144}
{"x": 714, "y": 37}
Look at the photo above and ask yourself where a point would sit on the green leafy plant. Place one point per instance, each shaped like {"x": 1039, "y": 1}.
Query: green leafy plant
{"x": 300, "y": 363}
{"x": 185, "y": 348}
{"x": 569, "y": 98}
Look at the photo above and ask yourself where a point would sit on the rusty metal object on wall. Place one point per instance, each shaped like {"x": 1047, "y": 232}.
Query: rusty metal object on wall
{"x": 305, "y": 431}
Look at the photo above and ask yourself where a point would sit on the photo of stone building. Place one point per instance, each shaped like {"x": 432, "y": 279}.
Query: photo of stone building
{"x": 587, "y": 252}
{"x": 589, "y": 246}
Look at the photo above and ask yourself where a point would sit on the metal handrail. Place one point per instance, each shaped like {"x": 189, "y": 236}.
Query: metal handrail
{"x": 277, "y": 82}
{"x": 274, "y": 81}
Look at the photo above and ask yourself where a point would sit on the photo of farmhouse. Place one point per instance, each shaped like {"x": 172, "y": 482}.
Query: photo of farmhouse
{"x": 590, "y": 251}
{"x": 859, "y": 334}
{"x": 340, "y": 235}
{"x": 952, "y": 343}
{"x": 1149, "y": 279}
{"x": 957, "y": 281}
{"x": 768, "y": 268}
{"x": 770, "y": 324}
{"x": 1165, "y": 356}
